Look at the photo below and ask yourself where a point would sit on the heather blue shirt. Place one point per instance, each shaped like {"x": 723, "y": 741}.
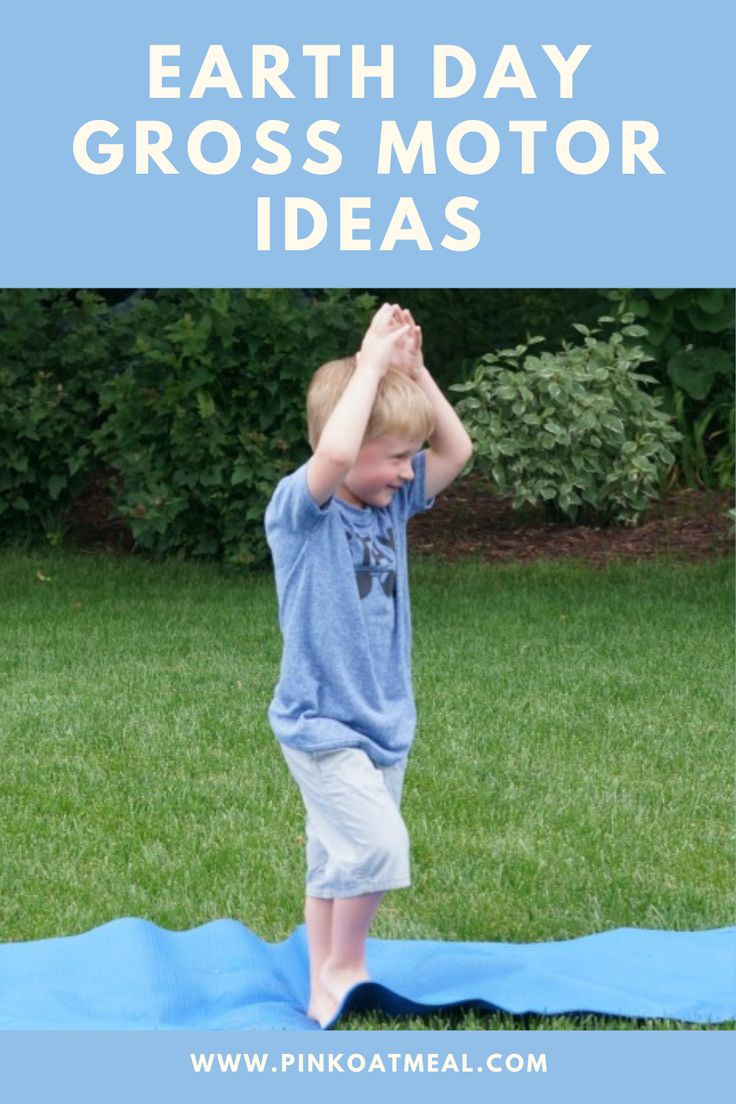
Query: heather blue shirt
{"x": 343, "y": 595}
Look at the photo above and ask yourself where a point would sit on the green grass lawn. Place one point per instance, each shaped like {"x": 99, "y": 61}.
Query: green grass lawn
{"x": 572, "y": 772}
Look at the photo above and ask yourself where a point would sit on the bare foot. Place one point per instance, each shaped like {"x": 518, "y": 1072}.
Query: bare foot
{"x": 337, "y": 980}
{"x": 322, "y": 1006}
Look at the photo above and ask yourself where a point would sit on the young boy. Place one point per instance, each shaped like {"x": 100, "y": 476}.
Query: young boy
{"x": 343, "y": 710}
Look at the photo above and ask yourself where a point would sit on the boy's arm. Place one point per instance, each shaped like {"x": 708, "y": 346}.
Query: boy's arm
{"x": 343, "y": 432}
{"x": 450, "y": 447}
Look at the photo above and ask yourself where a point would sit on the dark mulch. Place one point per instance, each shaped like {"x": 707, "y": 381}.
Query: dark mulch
{"x": 469, "y": 519}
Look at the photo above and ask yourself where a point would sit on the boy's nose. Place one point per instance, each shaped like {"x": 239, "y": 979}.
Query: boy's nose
{"x": 407, "y": 472}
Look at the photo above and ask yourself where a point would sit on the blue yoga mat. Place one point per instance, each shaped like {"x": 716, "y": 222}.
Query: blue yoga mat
{"x": 130, "y": 974}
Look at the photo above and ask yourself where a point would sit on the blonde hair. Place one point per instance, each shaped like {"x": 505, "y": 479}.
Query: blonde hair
{"x": 400, "y": 406}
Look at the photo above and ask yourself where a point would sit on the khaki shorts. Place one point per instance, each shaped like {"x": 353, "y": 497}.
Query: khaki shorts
{"x": 356, "y": 838}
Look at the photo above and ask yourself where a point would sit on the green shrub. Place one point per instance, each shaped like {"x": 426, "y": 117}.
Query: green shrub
{"x": 208, "y": 413}
{"x": 574, "y": 429}
{"x": 53, "y": 354}
{"x": 690, "y": 334}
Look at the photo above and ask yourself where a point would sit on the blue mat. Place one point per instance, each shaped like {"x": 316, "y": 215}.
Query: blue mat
{"x": 130, "y": 974}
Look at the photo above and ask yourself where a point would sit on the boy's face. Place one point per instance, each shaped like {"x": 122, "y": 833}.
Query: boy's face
{"x": 382, "y": 466}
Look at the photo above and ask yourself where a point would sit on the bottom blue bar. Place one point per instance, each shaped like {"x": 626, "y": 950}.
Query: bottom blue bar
{"x": 509, "y": 1066}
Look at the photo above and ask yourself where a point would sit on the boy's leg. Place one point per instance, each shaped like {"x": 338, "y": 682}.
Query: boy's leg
{"x": 317, "y": 910}
{"x": 353, "y": 821}
{"x": 352, "y": 918}
{"x": 336, "y": 933}
{"x": 345, "y": 964}
{"x": 318, "y": 919}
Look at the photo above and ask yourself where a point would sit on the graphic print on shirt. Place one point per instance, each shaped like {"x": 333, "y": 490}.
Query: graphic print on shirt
{"x": 374, "y": 557}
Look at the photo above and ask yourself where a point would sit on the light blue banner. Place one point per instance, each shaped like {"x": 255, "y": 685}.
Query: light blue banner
{"x": 522, "y": 1067}
{"x": 659, "y": 71}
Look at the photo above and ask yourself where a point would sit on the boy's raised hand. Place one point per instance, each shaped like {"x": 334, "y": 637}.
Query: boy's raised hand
{"x": 408, "y": 351}
{"x": 384, "y": 334}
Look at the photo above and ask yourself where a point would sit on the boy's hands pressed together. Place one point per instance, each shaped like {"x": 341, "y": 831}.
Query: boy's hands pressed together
{"x": 408, "y": 355}
{"x": 387, "y": 330}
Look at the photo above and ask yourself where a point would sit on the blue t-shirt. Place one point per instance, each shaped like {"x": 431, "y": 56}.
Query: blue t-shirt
{"x": 343, "y": 595}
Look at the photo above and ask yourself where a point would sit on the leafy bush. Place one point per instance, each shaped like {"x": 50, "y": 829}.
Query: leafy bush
{"x": 53, "y": 352}
{"x": 208, "y": 412}
{"x": 690, "y": 334}
{"x": 572, "y": 429}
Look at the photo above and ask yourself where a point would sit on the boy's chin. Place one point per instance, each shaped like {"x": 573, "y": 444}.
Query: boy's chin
{"x": 382, "y": 496}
